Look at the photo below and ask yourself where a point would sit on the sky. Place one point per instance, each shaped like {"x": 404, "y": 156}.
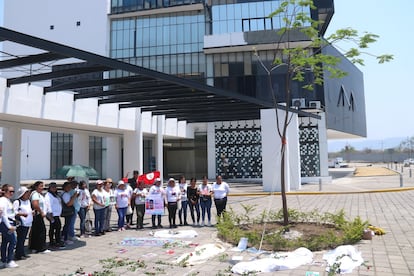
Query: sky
{"x": 389, "y": 96}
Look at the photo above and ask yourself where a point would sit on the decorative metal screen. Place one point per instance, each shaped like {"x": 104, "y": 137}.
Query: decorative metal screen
{"x": 238, "y": 150}
{"x": 309, "y": 150}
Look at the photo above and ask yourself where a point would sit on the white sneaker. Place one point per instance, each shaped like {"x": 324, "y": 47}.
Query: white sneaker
{"x": 209, "y": 224}
{"x": 45, "y": 251}
{"x": 11, "y": 264}
{"x": 202, "y": 223}
{"x": 74, "y": 238}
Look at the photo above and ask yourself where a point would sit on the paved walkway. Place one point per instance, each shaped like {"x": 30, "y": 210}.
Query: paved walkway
{"x": 391, "y": 254}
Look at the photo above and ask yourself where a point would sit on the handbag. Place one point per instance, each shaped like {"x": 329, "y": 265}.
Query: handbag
{"x": 67, "y": 211}
{"x": 129, "y": 210}
{"x": 88, "y": 222}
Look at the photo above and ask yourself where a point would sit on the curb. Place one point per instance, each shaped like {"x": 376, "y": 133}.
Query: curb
{"x": 327, "y": 193}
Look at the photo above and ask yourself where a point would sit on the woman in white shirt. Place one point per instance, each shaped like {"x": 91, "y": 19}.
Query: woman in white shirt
{"x": 220, "y": 190}
{"x": 158, "y": 191}
{"x": 99, "y": 207}
{"x": 23, "y": 211}
{"x": 37, "y": 236}
{"x": 109, "y": 202}
{"x": 140, "y": 193}
{"x": 85, "y": 201}
{"x": 7, "y": 227}
{"x": 123, "y": 200}
{"x": 182, "y": 212}
{"x": 55, "y": 209}
{"x": 172, "y": 197}
{"x": 205, "y": 192}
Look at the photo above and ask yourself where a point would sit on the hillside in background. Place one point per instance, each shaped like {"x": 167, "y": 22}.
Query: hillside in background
{"x": 364, "y": 143}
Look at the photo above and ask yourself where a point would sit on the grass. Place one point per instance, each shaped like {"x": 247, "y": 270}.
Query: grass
{"x": 312, "y": 230}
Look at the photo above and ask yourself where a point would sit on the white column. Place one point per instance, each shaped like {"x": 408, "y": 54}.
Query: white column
{"x": 159, "y": 150}
{"x": 80, "y": 147}
{"x": 133, "y": 147}
{"x": 323, "y": 145}
{"x": 12, "y": 137}
{"x": 113, "y": 158}
{"x": 271, "y": 156}
{"x": 211, "y": 151}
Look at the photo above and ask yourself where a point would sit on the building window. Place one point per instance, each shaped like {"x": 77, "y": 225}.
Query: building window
{"x": 61, "y": 151}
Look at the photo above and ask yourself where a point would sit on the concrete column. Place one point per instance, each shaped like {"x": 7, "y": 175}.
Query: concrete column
{"x": 80, "y": 154}
{"x": 12, "y": 137}
{"x": 113, "y": 158}
{"x": 133, "y": 147}
{"x": 159, "y": 148}
{"x": 271, "y": 156}
{"x": 323, "y": 145}
{"x": 211, "y": 151}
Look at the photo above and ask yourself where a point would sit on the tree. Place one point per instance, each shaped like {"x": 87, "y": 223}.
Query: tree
{"x": 299, "y": 59}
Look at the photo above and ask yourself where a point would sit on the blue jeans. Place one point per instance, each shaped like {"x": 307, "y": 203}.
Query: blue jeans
{"x": 21, "y": 237}
{"x": 8, "y": 242}
{"x": 71, "y": 231}
{"x": 82, "y": 216}
{"x": 182, "y": 213}
{"x": 121, "y": 216}
{"x": 99, "y": 220}
{"x": 69, "y": 227}
{"x": 205, "y": 207}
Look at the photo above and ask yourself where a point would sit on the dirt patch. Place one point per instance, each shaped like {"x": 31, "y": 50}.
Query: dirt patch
{"x": 297, "y": 231}
{"x": 373, "y": 171}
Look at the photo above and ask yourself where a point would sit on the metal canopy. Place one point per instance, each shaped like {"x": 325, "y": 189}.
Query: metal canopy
{"x": 160, "y": 93}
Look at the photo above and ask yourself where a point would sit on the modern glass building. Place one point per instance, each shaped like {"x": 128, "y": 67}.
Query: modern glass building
{"x": 212, "y": 42}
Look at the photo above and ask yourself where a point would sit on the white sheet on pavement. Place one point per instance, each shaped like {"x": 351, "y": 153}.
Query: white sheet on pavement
{"x": 346, "y": 256}
{"x": 181, "y": 234}
{"x": 281, "y": 261}
{"x": 201, "y": 254}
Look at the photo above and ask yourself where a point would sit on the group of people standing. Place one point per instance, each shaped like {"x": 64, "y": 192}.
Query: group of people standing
{"x": 31, "y": 208}
{"x": 29, "y": 211}
{"x": 182, "y": 196}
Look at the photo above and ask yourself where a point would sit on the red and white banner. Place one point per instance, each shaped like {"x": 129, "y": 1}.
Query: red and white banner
{"x": 149, "y": 178}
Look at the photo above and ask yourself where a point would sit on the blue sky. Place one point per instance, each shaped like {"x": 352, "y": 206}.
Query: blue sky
{"x": 388, "y": 87}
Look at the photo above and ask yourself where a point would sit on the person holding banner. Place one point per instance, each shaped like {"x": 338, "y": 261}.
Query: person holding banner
{"x": 154, "y": 203}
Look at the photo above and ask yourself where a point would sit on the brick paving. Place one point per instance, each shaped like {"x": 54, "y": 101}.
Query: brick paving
{"x": 391, "y": 254}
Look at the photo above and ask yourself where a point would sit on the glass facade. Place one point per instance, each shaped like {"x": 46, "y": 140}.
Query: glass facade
{"x": 246, "y": 16}
{"x": 121, "y": 6}
{"x": 169, "y": 43}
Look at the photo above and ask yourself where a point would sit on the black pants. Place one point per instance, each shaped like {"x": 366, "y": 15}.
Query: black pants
{"x": 55, "y": 231}
{"x": 153, "y": 220}
{"x": 37, "y": 237}
{"x": 195, "y": 206}
{"x": 220, "y": 205}
{"x": 172, "y": 212}
{"x": 140, "y": 215}
{"x": 129, "y": 217}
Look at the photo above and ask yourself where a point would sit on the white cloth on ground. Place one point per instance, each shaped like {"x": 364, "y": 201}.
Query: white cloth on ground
{"x": 346, "y": 256}
{"x": 281, "y": 261}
